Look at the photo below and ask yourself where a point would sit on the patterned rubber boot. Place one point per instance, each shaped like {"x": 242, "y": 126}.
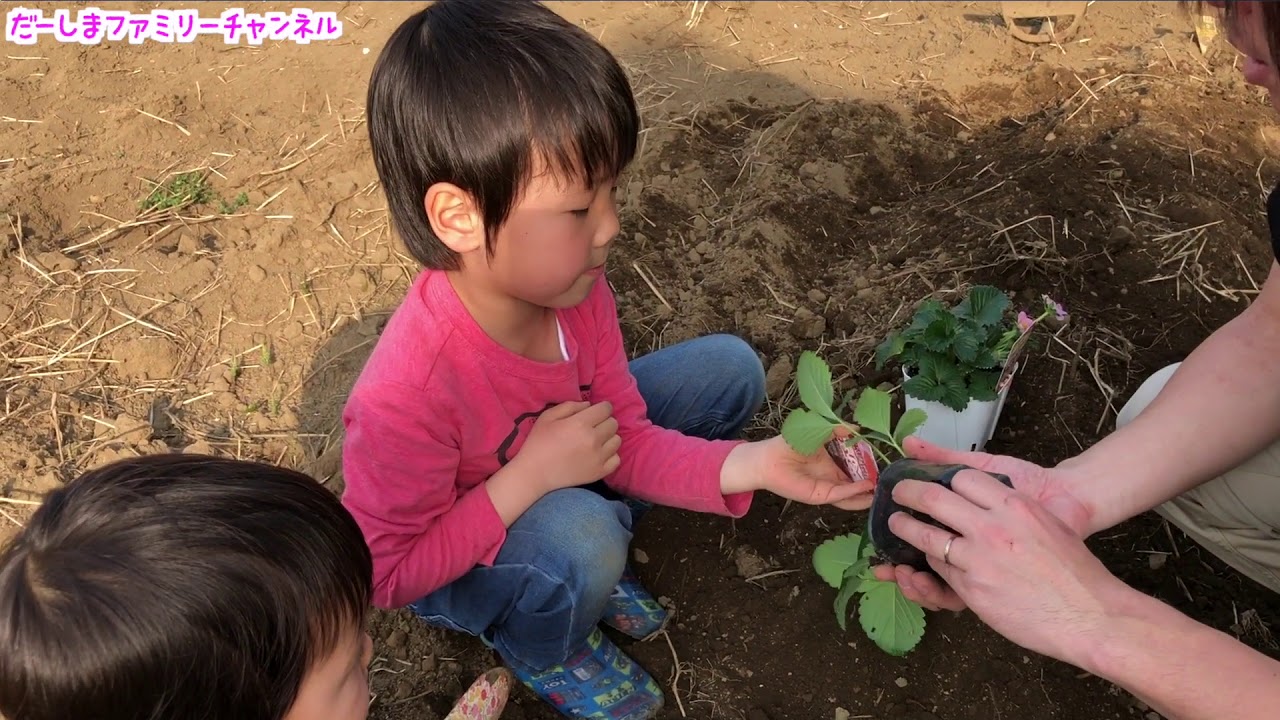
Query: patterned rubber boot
{"x": 485, "y": 699}
{"x": 599, "y": 682}
{"x": 632, "y": 610}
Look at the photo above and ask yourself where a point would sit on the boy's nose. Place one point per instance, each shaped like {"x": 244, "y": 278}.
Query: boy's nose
{"x": 609, "y": 230}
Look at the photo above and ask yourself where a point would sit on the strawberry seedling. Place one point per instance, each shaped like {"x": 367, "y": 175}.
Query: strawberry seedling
{"x": 894, "y": 623}
{"x": 807, "y": 429}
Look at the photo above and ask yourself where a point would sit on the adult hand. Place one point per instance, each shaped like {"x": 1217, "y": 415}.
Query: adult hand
{"x": 1019, "y": 567}
{"x": 1051, "y": 487}
{"x": 810, "y": 479}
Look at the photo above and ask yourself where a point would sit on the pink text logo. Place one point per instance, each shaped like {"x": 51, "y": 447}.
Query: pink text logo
{"x": 92, "y": 26}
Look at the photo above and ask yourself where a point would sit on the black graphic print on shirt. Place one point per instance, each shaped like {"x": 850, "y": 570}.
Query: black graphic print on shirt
{"x": 524, "y": 421}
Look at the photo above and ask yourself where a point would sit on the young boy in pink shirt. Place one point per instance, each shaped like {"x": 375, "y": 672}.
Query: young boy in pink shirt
{"x": 499, "y": 445}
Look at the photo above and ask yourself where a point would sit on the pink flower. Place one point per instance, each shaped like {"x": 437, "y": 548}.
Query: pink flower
{"x": 1059, "y": 312}
{"x": 1024, "y": 321}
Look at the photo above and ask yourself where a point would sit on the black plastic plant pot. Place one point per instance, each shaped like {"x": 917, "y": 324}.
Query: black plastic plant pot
{"x": 889, "y": 547}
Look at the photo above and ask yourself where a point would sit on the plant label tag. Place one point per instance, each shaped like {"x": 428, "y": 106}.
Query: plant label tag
{"x": 1011, "y": 360}
{"x": 857, "y": 461}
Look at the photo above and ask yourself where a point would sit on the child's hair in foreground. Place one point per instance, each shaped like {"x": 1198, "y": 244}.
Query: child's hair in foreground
{"x": 176, "y": 587}
{"x": 479, "y": 94}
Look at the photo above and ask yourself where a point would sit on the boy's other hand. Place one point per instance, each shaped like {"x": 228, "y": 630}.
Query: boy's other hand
{"x": 571, "y": 444}
{"x": 810, "y": 479}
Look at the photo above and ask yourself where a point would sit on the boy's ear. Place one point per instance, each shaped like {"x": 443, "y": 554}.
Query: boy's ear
{"x": 454, "y": 217}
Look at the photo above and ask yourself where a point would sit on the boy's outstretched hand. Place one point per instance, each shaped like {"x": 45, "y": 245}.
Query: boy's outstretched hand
{"x": 810, "y": 479}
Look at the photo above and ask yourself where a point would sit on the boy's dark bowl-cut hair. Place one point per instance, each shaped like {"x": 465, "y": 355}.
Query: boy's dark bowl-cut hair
{"x": 474, "y": 92}
{"x": 177, "y": 587}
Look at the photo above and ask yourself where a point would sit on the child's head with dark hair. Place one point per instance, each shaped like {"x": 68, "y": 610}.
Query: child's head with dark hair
{"x": 499, "y": 130}
{"x": 185, "y": 587}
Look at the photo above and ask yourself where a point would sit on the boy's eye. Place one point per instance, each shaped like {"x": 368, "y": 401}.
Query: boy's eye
{"x": 581, "y": 213}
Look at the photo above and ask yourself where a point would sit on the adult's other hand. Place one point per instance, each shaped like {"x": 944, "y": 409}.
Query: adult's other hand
{"x": 1049, "y": 486}
{"x": 1017, "y": 565}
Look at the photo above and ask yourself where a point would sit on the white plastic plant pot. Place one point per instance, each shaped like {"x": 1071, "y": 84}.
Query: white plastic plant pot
{"x": 967, "y": 430}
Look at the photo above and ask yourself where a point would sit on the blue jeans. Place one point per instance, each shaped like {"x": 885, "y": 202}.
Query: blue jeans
{"x": 548, "y": 587}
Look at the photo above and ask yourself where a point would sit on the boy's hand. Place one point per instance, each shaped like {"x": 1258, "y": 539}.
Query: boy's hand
{"x": 572, "y": 444}
{"x": 810, "y": 479}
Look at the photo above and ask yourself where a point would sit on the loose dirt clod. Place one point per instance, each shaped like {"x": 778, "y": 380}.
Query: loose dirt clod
{"x": 749, "y": 564}
{"x": 778, "y": 377}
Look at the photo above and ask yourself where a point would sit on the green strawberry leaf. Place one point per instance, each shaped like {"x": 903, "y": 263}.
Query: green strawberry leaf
{"x": 938, "y": 335}
{"x": 986, "y": 359}
{"x": 985, "y": 305}
{"x": 934, "y": 363}
{"x": 928, "y": 311}
{"x": 967, "y": 345}
{"x": 939, "y": 381}
{"x": 893, "y": 622}
{"x": 851, "y": 583}
{"x": 982, "y": 385}
{"x": 947, "y": 372}
{"x": 872, "y": 411}
{"x": 867, "y": 550}
{"x": 954, "y": 394}
{"x": 923, "y": 387}
{"x": 892, "y": 346}
{"x": 806, "y": 431}
{"x": 834, "y": 557}
{"x": 813, "y": 380}
{"x": 910, "y": 421}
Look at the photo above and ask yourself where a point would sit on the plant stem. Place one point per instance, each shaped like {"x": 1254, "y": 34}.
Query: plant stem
{"x": 877, "y": 450}
{"x": 854, "y": 430}
{"x": 887, "y": 439}
{"x": 883, "y": 457}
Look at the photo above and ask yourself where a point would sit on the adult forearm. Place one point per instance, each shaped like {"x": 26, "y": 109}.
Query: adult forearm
{"x": 1221, "y": 407}
{"x": 1182, "y": 669}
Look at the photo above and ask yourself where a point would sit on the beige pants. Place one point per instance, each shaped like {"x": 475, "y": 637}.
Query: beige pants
{"x": 1236, "y": 516}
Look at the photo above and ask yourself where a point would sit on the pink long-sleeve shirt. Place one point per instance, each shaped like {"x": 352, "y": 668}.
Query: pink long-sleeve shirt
{"x": 440, "y": 406}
